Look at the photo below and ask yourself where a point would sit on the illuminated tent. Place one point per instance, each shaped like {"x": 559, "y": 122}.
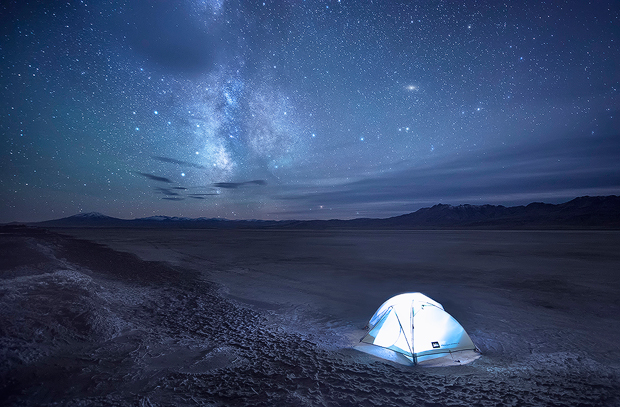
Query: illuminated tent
{"x": 418, "y": 328}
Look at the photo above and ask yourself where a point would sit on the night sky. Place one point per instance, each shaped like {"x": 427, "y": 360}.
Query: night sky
{"x": 296, "y": 109}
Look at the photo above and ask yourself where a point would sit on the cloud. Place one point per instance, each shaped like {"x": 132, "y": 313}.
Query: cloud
{"x": 553, "y": 170}
{"x": 234, "y": 185}
{"x": 166, "y": 191}
{"x": 167, "y": 34}
{"x": 155, "y": 177}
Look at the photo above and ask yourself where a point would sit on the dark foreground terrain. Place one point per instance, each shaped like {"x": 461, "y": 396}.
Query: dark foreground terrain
{"x": 243, "y": 317}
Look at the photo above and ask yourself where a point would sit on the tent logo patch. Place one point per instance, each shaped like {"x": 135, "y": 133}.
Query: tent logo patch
{"x": 435, "y": 345}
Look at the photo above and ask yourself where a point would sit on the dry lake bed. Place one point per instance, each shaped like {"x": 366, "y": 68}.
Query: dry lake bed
{"x": 273, "y": 317}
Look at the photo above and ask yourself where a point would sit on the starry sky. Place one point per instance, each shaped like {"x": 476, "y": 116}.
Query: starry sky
{"x": 292, "y": 109}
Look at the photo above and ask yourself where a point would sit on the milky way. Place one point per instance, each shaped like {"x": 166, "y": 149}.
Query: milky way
{"x": 339, "y": 109}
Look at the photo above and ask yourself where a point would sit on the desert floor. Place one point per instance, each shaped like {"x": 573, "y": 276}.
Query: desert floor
{"x": 273, "y": 317}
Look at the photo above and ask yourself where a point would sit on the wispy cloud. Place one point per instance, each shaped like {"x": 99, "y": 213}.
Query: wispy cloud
{"x": 510, "y": 176}
{"x": 234, "y": 185}
{"x": 155, "y": 177}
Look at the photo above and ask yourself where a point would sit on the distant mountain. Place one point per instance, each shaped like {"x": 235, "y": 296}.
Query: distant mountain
{"x": 90, "y": 219}
{"x": 96, "y": 219}
{"x": 580, "y": 213}
{"x": 598, "y": 212}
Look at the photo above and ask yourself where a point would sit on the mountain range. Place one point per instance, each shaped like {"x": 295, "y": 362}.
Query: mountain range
{"x": 596, "y": 212}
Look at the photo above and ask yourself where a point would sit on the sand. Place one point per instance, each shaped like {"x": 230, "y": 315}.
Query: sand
{"x": 274, "y": 317}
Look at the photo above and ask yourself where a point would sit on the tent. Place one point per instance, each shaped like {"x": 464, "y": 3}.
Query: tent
{"x": 417, "y": 327}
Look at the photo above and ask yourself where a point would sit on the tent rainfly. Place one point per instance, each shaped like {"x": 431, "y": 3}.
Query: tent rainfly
{"x": 418, "y": 328}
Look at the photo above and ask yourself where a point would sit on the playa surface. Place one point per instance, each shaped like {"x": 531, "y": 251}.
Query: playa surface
{"x": 273, "y": 317}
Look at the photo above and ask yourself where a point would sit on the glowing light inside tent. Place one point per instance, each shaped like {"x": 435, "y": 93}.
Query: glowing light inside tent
{"x": 417, "y": 327}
